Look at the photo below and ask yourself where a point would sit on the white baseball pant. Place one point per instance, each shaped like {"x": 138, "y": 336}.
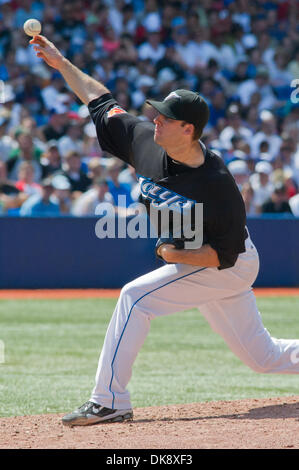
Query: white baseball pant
{"x": 224, "y": 297}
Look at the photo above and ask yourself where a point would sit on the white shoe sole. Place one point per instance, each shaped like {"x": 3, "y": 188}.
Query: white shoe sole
{"x": 117, "y": 416}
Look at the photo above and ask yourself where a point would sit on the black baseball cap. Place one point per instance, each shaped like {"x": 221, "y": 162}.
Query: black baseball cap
{"x": 184, "y": 105}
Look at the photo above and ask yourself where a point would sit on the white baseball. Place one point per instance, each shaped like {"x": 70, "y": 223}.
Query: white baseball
{"x": 32, "y": 27}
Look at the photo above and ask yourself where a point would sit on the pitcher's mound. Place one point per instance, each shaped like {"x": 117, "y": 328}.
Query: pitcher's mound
{"x": 250, "y": 424}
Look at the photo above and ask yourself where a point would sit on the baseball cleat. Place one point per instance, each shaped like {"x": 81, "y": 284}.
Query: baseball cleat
{"x": 92, "y": 413}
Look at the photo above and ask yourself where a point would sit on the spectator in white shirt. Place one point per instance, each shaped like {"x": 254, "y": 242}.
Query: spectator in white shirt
{"x": 258, "y": 84}
{"x": 268, "y": 133}
{"x": 152, "y": 49}
{"x": 234, "y": 128}
{"x": 186, "y": 49}
{"x": 203, "y": 47}
{"x": 278, "y": 73}
{"x": 25, "y": 55}
{"x": 72, "y": 141}
{"x": 88, "y": 202}
{"x": 227, "y": 57}
{"x": 261, "y": 184}
{"x": 51, "y": 92}
{"x": 7, "y": 143}
{"x": 143, "y": 85}
{"x": 240, "y": 172}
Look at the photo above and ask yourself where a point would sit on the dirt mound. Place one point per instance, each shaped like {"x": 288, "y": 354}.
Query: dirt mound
{"x": 243, "y": 424}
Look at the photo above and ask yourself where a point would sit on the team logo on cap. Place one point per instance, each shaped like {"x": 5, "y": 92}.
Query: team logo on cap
{"x": 173, "y": 94}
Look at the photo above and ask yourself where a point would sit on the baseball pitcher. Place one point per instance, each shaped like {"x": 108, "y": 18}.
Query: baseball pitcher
{"x": 172, "y": 164}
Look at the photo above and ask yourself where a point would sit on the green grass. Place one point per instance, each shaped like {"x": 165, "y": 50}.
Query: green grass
{"x": 52, "y": 349}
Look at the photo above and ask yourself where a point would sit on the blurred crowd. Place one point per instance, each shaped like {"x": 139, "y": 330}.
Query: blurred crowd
{"x": 243, "y": 57}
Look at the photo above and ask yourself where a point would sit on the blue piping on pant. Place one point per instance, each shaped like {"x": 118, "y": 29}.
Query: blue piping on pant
{"x": 140, "y": 298}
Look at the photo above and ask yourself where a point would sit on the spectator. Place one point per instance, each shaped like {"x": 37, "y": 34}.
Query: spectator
{"x": 267, "y": 133}
{"x": 79, "y": 181}
{"x": 51, "y": 92}
{"x": 226, "y": 57}
{"x": 151, "y": 18}
{"x": 95, "y": 169}
{"x": 152, "y": 48}
{"x": 241, "y": 73}
{"x": 261, "y": 184}
{"x": 127, "y": 52}
{"x": 26, "y": 151}
{"x": 171, "y": 61}
{"x": 57, "y": 125}
{"x": 234, "y": 128}
{"x": 62, "y": 194}
{"x": 29, "y": 124}
{"x": 248, "y": 198}
{"x": 218, "y": 107}
{"x": 72, "y": 141}
{"x": 124, "y": 100}
{"x": 287, "y": 152}
{"x": 128, "y": 176}
{"x": 9, "y": 106}
{"x": 25, "y": 54}
{"x": 91, "y": 147}
{"x": 203, "y": 48}
{"x": 7, "y": 187}
{"x": 280, "y": 77}
{"x": 289, "y": 182}
{"x": 25, "y": 183}
{"x": 166, "y": 82}
{"x": 255, "y": 61}
{"x": 111, "y": 42}
{"x": 51, "y": 160}
{"x": 278, "y": 203}
{"x": 10, "y": 196}
{"x": 148, "y": 113}
{"x": 240, "y": 172}
{"x": 87, "y": 203}
{"x": 27, "y": 10}
{"x": 115, "y": 187}
{"x": 41, "y": 205}
{"x": 285, "y": 175}
{"x": 5, "y": 42}
{"x": 236, "y": 57}
{"x": 186, "y": 56}
{"x": 143, "y": 85}
{"x": 208, "y": 87}
{"x": 7, "y": 144}
{"x": 258, "y": 84}
{"x": 129, "y": 21}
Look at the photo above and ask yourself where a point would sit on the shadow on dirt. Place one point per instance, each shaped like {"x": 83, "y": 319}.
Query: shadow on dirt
{"x": 285, "y": 410}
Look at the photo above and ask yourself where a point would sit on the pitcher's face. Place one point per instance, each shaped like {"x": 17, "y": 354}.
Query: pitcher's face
{"x": 168, "y": 132}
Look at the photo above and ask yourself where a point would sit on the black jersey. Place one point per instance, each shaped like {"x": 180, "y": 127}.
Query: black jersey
{"x": 132, "y": 140}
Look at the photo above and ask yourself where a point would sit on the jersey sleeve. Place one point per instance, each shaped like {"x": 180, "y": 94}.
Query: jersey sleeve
{"x": 228, "y": 228}
{"x": 222, "y": 242}
{"x": 114, "y": 126}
